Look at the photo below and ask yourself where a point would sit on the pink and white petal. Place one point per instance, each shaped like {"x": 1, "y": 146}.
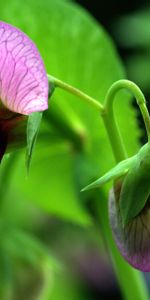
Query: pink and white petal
{"x": 23, "y": 79}
{"x": 133, "y": 239}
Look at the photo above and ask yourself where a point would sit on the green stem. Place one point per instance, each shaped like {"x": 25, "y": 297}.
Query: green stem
{"x": 63, "y": 85}
{"x": 126, "y": 275}
{"x": 114, "y": 135}
{"x": 130, "y": 280}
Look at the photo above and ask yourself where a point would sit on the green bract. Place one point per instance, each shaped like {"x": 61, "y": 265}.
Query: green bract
{"x": 118, "y": 171}
{"x": 133, "y": 175}
{"x": 33, "y": 125}
{"x": 136, "y": 186}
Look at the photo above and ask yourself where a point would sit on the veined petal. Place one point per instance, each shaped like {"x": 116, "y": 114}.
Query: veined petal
{"x": 133, "y": 239}
{"x": 23, "y": 79}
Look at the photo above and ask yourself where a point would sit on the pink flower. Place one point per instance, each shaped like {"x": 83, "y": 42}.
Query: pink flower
{"x": 133, "y": 239}
{"x": 23, "y": 85}
{"x": 23, "y": 80}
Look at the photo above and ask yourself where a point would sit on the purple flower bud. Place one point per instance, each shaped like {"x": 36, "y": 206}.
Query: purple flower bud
{"x": 133, "y": 239}
{"x": 23, "y": 80}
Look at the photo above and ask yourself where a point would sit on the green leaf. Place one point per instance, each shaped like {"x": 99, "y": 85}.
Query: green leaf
{"x": 33, "y": 124}
{"x": 136, "y": 186}
{"x": 51, "y": 182}
{"x": 119, "y": 170}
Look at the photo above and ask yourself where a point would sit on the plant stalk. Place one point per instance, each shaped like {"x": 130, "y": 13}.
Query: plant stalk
{"x": 130, "y": 280}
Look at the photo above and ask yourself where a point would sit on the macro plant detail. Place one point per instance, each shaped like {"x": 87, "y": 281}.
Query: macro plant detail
{"x": 24, "y": 85}
{"x": 129, "y": 211}
{"x": 23, "y": 81}
{"x": 75, "y": 126}
{"x": 129, "y": 207}
{"x": 129, "y": 198}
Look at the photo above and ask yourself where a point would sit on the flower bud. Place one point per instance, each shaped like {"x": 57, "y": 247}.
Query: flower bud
{"x": 133, "y": 239}
{"x": 129, "y": 207}
{"x": 129, "y": 212}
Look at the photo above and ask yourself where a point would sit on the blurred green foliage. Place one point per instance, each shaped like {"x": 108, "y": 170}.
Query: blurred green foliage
{"x": 132, "y": 32}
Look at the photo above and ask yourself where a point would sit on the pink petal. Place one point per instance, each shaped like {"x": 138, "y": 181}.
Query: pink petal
{"x": 133, "y": 240}
{"x": 23, "y": 79}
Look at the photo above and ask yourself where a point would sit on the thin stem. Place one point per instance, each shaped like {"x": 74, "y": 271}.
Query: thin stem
{"x": 114, "y": 135}
{"x": 63, "y": 85}
{"x": 110, "y": 124}
{"x": 126, "y": 275}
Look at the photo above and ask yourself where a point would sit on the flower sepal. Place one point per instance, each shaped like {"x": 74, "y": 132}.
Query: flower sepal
{"x": 129, "y": 211}
{"x": 135, "y": 188}
{"x": 120, "y": 170}
{"x": 33, "y": 124}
